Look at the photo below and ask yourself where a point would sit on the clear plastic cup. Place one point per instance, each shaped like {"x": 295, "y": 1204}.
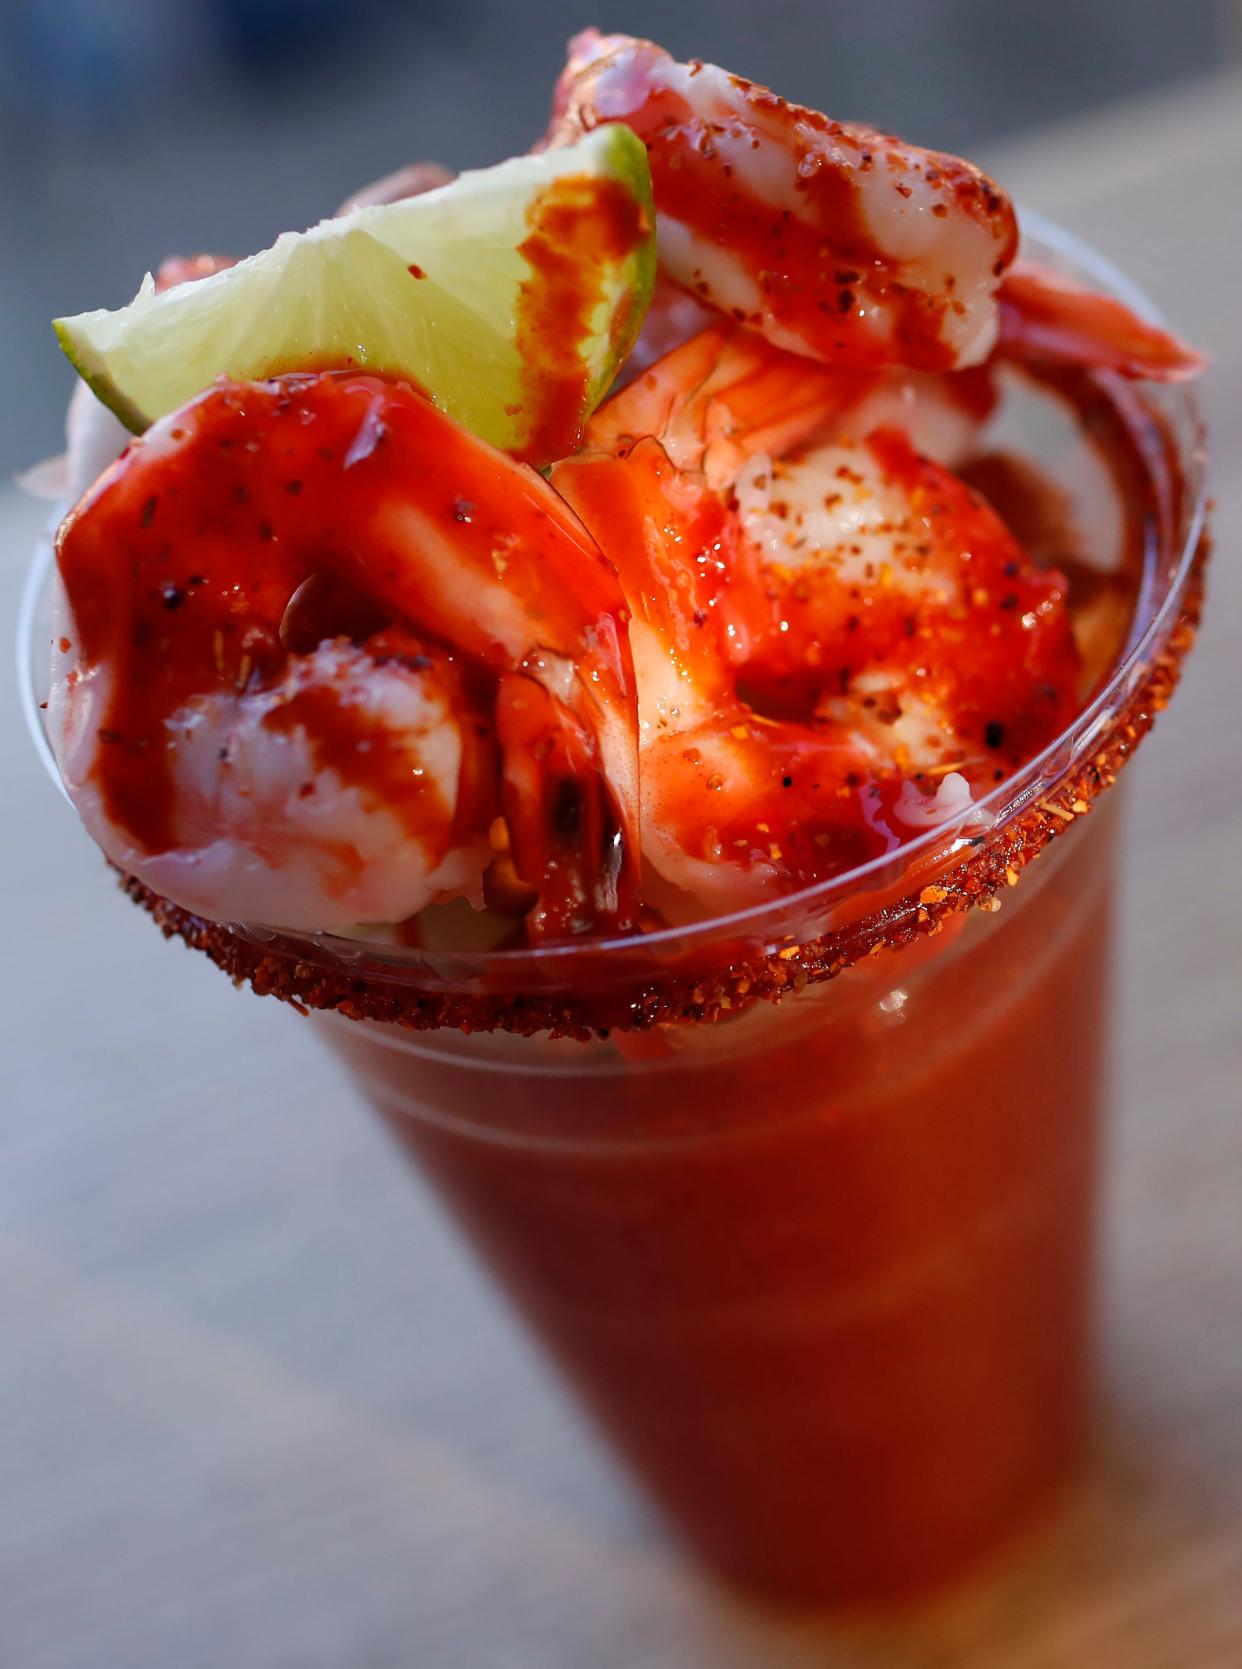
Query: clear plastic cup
{"x": 820, "y": 1267}
{"x": 822, "y": 1274}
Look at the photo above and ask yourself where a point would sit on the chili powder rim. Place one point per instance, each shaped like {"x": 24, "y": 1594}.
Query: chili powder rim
{"x": 309, "y": 974}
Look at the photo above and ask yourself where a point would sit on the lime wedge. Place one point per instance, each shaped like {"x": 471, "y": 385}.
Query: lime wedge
{"x": 510, "y": 297}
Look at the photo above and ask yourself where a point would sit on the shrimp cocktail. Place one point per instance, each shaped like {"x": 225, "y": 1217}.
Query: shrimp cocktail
{"x": 608, "y": 635}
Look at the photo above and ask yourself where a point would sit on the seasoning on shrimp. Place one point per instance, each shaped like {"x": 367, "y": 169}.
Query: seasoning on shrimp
{"x": 853, "y": 644}
{"x": 348, "y": 692}
{"x": 831, "y": 238}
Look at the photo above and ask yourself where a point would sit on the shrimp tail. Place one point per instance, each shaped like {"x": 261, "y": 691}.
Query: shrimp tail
{"x": 571, "y": 839}
{"x": 587, "y": 48}
{"x": 1044, "y": 316}
{"x": 723, "y": 396}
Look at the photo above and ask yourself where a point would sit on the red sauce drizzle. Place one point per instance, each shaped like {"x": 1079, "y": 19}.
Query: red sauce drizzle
{"x": 365, "y": 754}
{"x": 989, "y": 642}
{"x": 773, "y": 779}
{"x": 814, "y": 267}
{"x": 265, "y": 518}
{"x": 580, "y": 228}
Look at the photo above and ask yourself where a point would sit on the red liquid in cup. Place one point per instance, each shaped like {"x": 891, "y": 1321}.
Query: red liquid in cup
{"x": 822, "y": 1272}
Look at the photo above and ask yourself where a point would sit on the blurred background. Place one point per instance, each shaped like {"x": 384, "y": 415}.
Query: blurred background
{"x": 257, "y": 1407}
{"x": 133, "y": 129}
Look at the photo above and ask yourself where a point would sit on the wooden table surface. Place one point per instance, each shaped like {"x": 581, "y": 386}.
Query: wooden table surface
{"x": 258, "y": 1410}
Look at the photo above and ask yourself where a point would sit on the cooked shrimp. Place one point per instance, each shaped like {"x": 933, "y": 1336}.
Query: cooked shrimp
{"x": 1047, "y": 316}
{"x": 272, "y": 820}
{"x": 319, "y": 639}
{"x": 722, "y": 396}
{"x": 826, "y": 624}
{"x": 906, "y": 611}
{"x": 727, "y": 393}
{"x": 832, "y": 239}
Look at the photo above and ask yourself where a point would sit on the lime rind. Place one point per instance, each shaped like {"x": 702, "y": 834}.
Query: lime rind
{"x": 428, "y": 289}
{"x": 76, "y": 346}
{"x": 620, "y": 315}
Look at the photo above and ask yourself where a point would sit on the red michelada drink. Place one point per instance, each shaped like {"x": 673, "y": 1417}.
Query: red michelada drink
{"x": 639, "y": 640}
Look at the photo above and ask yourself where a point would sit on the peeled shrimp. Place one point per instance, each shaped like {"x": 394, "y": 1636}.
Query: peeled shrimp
{"x": 263, "y": 829}
{"x": 827, "y": 626}
{"x": 318, "y": 639}
{"x": 834, "y": 240}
